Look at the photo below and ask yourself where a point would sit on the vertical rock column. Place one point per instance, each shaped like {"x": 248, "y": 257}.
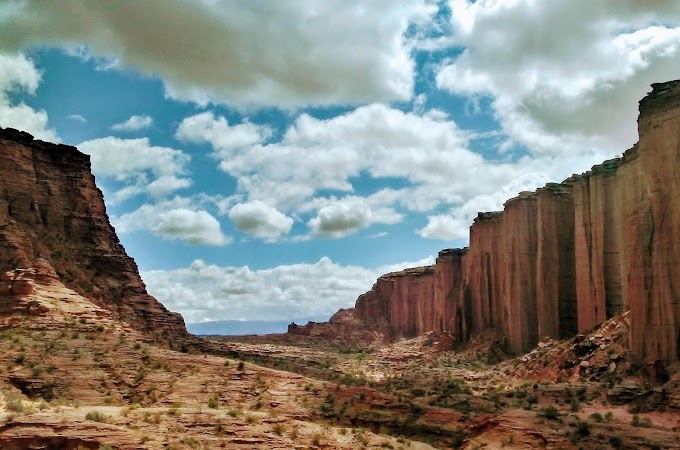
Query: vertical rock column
{"x": 652, "y": 253}
{"x": 518, "y": 271}
{"x": 448, "y": 279}
{"x": 480, "y": 305}
{"x": 598, "y": 245}
{"x": 555, "y": 269}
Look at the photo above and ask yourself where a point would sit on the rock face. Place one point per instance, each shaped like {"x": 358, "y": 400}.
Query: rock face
{"x": 563, "y": 259}
{"x": 403, "y": 302}
{"x": 52, "y": 214}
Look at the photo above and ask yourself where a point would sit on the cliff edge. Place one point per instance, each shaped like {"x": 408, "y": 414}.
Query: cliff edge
{"x": 52, "y": 213}
{"x": 564, "y": 259}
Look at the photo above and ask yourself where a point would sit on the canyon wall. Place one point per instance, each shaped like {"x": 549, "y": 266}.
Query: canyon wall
{"x": 402, "y": 303}
{"x": 51, "y": 212}
{"x": 563, "y": 259}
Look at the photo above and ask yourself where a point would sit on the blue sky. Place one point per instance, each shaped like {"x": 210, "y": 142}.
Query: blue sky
{"x": 267, "y": 161}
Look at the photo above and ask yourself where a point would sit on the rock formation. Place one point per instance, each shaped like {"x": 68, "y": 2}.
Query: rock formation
{"x": 53, "y": 215}
{"x": 563, "y": 259}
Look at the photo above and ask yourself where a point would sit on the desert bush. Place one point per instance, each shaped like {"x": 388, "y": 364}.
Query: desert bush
{"x": 596, "y": 417}
{"x": 14, "y": 404}
{"x": 582, "y": 428}
{"x": 214, "y": 401}
{"x": 550, "y": 413}
{"x": 645, "y": 422}
{"x": 97, "y": 416}
{"x": 316, "y": 439}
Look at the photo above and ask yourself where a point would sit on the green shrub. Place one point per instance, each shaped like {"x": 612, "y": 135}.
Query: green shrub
{"x": 550, "y": 413}
{"x": 97, "y": 416}
{"x": 214, "y": 401}
{"x": 596, "y": 417}
{"x": 582, "y": 428}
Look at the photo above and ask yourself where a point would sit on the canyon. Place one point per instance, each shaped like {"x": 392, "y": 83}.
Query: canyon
{"x": 557, "y": 327}
{"x": 561, "y": 260}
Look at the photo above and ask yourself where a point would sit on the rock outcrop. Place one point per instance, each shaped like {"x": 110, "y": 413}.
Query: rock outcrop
{"x": 405, "y": 299}
{"x": 52, "y": 215}
{"x": 563, "y": 259}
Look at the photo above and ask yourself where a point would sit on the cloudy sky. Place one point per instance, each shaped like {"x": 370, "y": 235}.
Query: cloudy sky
{"x": 268, "y": 160}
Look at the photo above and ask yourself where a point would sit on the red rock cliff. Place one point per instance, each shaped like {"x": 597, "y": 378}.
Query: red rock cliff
{"x": 403, "y": 302}
{"x": 565, "y": 258}
{"x": 51, "y": 209}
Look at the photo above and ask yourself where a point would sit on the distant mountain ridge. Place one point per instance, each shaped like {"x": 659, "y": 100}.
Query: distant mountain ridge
{"x": 245, "y": 327}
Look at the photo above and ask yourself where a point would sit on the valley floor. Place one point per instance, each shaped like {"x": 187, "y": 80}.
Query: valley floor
{"x": 72, "y": 377}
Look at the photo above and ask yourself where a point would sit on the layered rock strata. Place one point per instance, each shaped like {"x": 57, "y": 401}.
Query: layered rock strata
{"x": 52, "y": 214}
{"x": 563, "y": 259}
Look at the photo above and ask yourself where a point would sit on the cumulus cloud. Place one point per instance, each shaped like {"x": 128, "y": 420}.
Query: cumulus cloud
{"x": 455, "y": 225}
{"x": 427, "y": 155}
{"x": 18, "y": 73}
{"x": 176, "y": 219}
{"x": 563, "y": 75}
{"x": 315, "y": 155}
{"x": 338, "y": 218}
{"x": 306, "y": 52}
{"x": 224, "y": 138}
{"x": 135, "y": 162}
{"x": 134, "y": 123}
{"x": 260, "y": 220}
{"x": 209, "y": 292}
{"x": 341, "y": 218}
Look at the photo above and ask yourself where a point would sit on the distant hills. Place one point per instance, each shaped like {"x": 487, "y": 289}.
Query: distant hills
{"x": 245, "y": 327}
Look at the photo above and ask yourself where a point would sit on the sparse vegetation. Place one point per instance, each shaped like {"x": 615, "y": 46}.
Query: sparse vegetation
{"x": 214, "y": 401}
{"x": 96, "y": 416}
{"x": 550, "y": 413}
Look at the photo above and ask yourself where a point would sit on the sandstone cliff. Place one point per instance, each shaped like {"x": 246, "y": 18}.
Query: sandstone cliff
{"x": 563, "y": 259}
{"x": 52, "y": 214}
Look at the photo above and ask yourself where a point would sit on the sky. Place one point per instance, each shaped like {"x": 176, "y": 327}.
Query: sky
{"x": 269, "y": 160}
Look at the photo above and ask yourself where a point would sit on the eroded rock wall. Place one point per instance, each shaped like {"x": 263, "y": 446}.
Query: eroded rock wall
{"x": 404, "y": 302}
{"x": 565, "y": 258}
{"x": 50, "y": 208}
{"x": 651, "y": 220}
{"x": 555, "y": 262}
{"x": 479, "y": 304}
{"x": 448, "y": 282}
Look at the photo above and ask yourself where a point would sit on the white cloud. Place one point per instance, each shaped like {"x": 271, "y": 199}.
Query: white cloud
{"x": 176, "y": 219}
{"x": 224, "y": 138}
{"x": 455, "y": 225}
{"x": 260, "y": 220}
{"x": 193, "y": 227}
{"x": 446, "y": 228}
{"x": 77, "y": 118}
{"x": 134, "y": 162}
{"x": 209, "y": 292}
{"x": 341, "y": 218}
{"x": 134, "y": 123}
{"x": 306, "y": 52}
{"x": 563, "y": 75}
{"x": 338, "y": 218}
{"x": 375, "y": 140}
{"x": 166, "y": 184}
{"x": 18, "y": 73}
{"x": 427, "y": 154}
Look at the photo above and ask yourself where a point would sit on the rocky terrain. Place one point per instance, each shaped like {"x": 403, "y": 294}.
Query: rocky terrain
{"x": 73, "y": 376}
{"x": 557, "y": 328}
